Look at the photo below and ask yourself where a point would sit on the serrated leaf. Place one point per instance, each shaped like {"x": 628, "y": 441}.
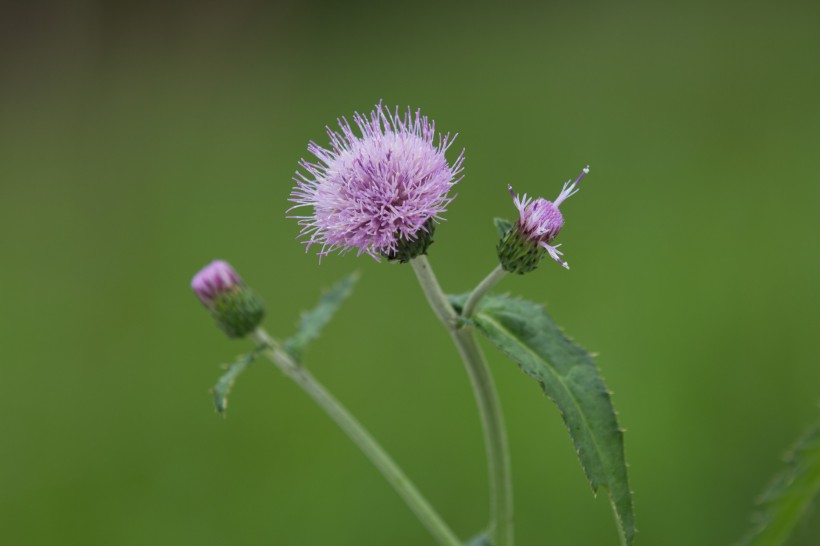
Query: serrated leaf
{"x": 312, "y": 322}
{"x": 502, "y": 225}
{"x": 225, "y": 383}
{"x": 567, "y": 374}
{"x": 480, "y": 540}
{"x": 787, "y": 499}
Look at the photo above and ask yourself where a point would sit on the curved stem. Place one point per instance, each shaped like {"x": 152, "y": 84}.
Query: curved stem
{"x": 356, "y": 432}
{"x": 483, "y": 287}
{"x": 495, "y": 437}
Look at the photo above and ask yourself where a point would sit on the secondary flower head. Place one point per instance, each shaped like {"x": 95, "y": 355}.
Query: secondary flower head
{"x": 523, "y": 245}
{"x": 379, "y": 191}
{"x": 236, "y": 308}
{"x": 214, "y": 279}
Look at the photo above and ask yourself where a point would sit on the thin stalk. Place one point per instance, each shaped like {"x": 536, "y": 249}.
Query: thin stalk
{"x": 483, "y": 287}
{"x": 357, "y": 433}
{"x": 495, "y": 437}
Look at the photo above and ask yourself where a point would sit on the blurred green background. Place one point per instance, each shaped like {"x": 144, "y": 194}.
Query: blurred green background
{"x": 139, "y": 141}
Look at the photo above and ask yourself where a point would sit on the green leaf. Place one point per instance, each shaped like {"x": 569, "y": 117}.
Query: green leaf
{"x": 225, "y": 383}
{"x": 790, "y": 494}
{"x": 479, "y": 540}
{"x": 312, "y": 322}
{"x": 502, "y": 225}
{"x": 567, "y": 373}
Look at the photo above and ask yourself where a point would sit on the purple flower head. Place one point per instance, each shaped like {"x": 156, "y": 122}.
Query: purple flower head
{"x": 379, "y": 190}
{"x": 540, "y": 222}
{"x": 214, "y": 279}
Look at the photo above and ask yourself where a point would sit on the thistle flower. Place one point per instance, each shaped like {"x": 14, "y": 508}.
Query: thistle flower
{"x": 237, "y": 309}
{"x": 379, "y": 193}
{"x": 524, "y": 244}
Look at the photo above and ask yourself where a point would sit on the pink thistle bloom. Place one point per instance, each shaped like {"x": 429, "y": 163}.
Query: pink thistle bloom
{"x": 379, "y": 191}
{"x": 540, "y": 221}
{"x": 214, "y": 279}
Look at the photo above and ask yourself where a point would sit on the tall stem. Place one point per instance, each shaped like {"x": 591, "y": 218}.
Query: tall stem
{"x": 356, "y": 432}
{"x": 495, "y": 437}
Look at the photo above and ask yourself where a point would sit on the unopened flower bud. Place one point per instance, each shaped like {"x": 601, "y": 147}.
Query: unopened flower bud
{"x": 523, "y": 245}
{"x": 237, "y": 309}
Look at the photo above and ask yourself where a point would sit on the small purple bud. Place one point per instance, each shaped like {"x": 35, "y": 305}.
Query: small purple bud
{"x": 237, "y": 309}
{"x": 522, "y": 247}
{"x": 213, "y": 279}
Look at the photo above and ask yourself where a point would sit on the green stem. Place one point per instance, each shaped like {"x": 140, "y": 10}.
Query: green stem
{"x": 495, "y": 437}
{"x": 357, "y": 433}
{"x": 479, "y": 291}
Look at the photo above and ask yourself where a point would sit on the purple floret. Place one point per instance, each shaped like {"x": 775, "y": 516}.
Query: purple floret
{"x": 213, "y": 279}
{"x": 368, "y": 192}
{"x": 540, "y": 220}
